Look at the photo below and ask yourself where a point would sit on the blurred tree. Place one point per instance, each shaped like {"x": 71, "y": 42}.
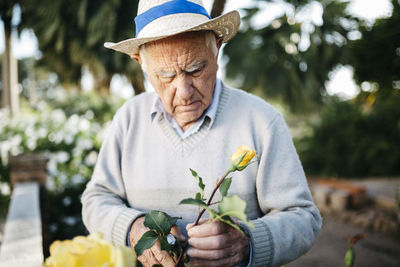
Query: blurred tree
{"x": 376, "y": 56}
{"x": 355, "y": 138}
{"x": 271, "y": 60}
{"x": 9, "y": 94}
{"x": 71, "y": 35}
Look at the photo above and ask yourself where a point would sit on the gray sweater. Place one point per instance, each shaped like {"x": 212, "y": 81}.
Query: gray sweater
{"x": 143, "y": 165}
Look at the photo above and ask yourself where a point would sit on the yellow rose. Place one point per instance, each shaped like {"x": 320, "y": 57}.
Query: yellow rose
{"x": 91, "y": 251}
{"x": 242, "y": 157}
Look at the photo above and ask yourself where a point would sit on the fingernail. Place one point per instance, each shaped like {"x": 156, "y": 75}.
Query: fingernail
{"x": 189, "y": 251}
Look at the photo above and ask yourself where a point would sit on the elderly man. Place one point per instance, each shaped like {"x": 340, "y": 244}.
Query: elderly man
{"x": 193, "y": 120}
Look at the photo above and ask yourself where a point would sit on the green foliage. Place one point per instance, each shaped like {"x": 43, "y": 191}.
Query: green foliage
{"x": 71, "y": 35}
{"x": 229, "y": 207}
{"x": 355, "y": 138}
{"x": 159, "y": 222}
{"x": 146, "y": 241}
{"x": 160, "y": 225}
{"x": 376, "y": 56}
{"x": 270, "y": 61}
{"x": 349, "y": 257}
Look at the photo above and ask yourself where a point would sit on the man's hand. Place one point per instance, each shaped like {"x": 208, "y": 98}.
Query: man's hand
{"x": 154, "y": 255}
{"x": 216, "y": 244}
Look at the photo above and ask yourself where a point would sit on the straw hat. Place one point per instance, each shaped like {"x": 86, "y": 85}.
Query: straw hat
{"x": 159, "y": 19}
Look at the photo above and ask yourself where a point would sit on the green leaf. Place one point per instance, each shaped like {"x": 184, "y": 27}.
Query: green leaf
{"x": 193, "y": 201}
{"x": 200, "y": 183}
{"x": 165, "y": 245}
{"x": 145, "y": 242}
{"x": 160, "y": 222}
{"x": 229, "y": 221}
{"x": 224, "y": 187}
{"x": 157, "y": 265}
{"x": 202, "y": 204}
{"x": 213, "y": 213}
{"x": 349, "y": 257}
{"x": 199, "y": 197}
{"x": 138, "y": 263}
{"x": 235, "y": 207}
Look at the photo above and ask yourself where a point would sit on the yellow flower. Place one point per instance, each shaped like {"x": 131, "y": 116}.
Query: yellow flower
{"x": 242, "y": 157}
{"x": 91, "y": 251}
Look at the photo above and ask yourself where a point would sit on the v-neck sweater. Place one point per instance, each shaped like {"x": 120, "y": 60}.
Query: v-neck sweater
{"x": 144, "y": 165}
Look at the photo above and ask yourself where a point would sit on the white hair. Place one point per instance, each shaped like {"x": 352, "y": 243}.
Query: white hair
{"x": 209, "y": 37}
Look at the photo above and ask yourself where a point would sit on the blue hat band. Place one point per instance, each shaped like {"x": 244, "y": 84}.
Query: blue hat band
{"x": 168, "y": 8}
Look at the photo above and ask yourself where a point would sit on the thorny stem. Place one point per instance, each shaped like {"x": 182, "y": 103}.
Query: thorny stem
{"x": 212, "y": 195}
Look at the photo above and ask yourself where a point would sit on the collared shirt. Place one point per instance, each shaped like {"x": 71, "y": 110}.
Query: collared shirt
{"x": 210, "y": 112}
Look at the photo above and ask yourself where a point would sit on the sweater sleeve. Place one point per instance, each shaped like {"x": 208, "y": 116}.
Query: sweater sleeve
{"x": 104, "y": 207}
{"x": 291, "y": 221}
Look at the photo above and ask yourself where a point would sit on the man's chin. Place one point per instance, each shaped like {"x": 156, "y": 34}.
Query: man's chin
{"x": 188, "y": 120}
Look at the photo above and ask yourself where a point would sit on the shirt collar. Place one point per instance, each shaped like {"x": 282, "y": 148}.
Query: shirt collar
{"x": 210, "y": 112}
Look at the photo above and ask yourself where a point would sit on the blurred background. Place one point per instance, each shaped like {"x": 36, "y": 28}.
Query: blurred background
{"x": 332, "y": 67}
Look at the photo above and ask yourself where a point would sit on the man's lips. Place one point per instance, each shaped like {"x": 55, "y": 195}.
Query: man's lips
{"x": 191, "y": 107}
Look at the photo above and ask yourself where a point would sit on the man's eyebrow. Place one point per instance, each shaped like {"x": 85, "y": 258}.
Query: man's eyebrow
{"x": 165, "y": 74}
{"x": 196, "y": 66}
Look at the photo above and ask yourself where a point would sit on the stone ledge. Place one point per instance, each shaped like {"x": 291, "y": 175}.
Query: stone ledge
{"x": 22, "y": 241}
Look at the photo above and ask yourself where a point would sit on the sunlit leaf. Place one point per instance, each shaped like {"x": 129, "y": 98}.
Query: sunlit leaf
{"x": 229, "y": 221}
{"x": 145, "y": 242}
{"x": 235, "y": 207}
{"x": 223, "y": 189}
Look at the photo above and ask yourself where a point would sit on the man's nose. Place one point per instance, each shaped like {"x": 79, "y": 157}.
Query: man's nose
{"x": 184, "y": 87}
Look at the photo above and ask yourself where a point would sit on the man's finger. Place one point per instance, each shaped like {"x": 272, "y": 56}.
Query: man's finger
{"x": 208, "y": 229}
{"x": 201, "y": 221}
{"x": 211, "y": 242}
{"x": 211, "y": 254}
{"x": 147, "y": 258}
{"x": 176, "y": 231}
{"x": 162, "y": 256}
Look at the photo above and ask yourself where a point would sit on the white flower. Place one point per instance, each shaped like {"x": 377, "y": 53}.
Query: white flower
{"x": 58, "y": 115}
{"x": 84, "y": 124}
{"x": 69, "y": 139}
{"x": 77, "y": 179}
{"x": 42, "y": 132}
{"x": 62, "y": 157}
{"x": 5, "y": 189}
{"x": 84, "y": 143}
{"x": 31, "y": 143}
{"x": 91, "y": 158}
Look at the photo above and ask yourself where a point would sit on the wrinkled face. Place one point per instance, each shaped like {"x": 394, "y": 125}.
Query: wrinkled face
{"x": 182, "y": 70}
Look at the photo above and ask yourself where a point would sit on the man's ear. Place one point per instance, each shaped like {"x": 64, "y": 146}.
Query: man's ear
{"x": 219, "y": 42}
{"x": 137, "y": 58}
